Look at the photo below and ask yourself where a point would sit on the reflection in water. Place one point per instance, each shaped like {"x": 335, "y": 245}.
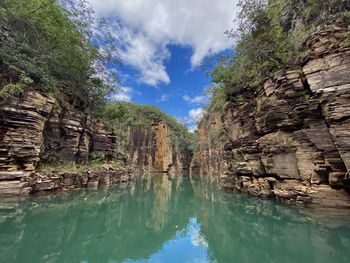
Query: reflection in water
{"x": 161, "y": 219}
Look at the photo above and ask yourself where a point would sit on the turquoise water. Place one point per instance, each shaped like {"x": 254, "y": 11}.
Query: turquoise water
{"x": 158, "y": 219}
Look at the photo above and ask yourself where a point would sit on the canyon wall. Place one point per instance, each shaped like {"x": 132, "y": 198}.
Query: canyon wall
{"x": 289, "y": 138}
{"x": 153, "y": 150}
{"x": 35, "y": 130}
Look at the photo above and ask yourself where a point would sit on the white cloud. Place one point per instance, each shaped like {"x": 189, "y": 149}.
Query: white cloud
{"x": 200, "y": 99}
{"x": 164, "y": 98}
{"x": 193, "y": 118}
{"x": 123, "y": 94}
{"x": 196, "y": 114}
{"x": 147, "y": 27}
{"x": 192, "y": 128}
{"x": 147, "y": 57}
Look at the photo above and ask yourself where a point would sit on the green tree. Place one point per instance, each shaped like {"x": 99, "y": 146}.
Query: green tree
{"x": 268, "y": 39}
{"x": 55, "y": 44}
{"x": 121, "y": 115}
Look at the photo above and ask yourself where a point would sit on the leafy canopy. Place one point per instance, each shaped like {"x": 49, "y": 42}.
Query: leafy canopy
{"x": 267, "y": 40}
{"x": 55, "y": 44}
{"x": 121, "y": 115}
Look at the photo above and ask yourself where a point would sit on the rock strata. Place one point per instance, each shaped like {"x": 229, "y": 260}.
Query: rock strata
{"x": 290, "y": 138}
{"x": 152, "y": 150}
{"x": 15, "y": 183}
{"x": 35, "y": 130}
{"x": 67, "y": 181}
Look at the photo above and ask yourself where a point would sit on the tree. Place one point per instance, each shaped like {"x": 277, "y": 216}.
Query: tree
{"x": 55, "y": 44}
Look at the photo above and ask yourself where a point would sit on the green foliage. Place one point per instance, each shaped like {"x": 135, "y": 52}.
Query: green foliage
{"x": 55, "y": 44}
{"x": 121, "y": 115}
{"x": 98, "y": 158}
{"x": 218, "y": 100}
{"x": 14, "y": 89}
{"x": 318, "y": 12}
{"x": 51, "y": 148}
{"x": 262, "y": 48}
{"x": 267, "y": 40}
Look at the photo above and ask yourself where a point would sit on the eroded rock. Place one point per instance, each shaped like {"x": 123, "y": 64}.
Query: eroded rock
{"x": 290, "y": 139}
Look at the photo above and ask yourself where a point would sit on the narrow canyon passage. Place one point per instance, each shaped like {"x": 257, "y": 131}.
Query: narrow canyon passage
{"x": 174, "y": 131}
{"x": 164, "y": 219}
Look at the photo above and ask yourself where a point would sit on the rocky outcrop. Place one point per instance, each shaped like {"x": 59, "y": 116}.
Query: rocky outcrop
{"x": 67, "y": 181}
{"x": 13, "y": 183}
{"x": 22, "y": 123}
{"x": 153, "y": 150}
{"x": 16, "y": 183}
{"x": 290, "y": 138}
{"x": 34, "y": 129}
{"x": 209, "y": 159}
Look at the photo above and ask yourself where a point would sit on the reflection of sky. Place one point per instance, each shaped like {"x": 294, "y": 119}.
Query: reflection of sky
{"x": 187, "y": 246}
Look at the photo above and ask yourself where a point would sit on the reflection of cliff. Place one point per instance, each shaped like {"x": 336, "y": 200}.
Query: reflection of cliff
{"x": 253, "y": 230}
{"x": 135, "y": 222}
{"x": 162, "y": 191}
{"x": 94, "y": 226}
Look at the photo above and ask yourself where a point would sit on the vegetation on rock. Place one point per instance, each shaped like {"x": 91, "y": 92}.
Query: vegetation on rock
{"x": 60, "y": 49}
{"x": 268, "y": 38}
{"x": 121, "y": 115}
{"x": 54, "y": 44}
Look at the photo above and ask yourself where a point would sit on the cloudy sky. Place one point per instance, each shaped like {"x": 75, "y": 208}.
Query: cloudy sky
{"x": 162, "y": 44}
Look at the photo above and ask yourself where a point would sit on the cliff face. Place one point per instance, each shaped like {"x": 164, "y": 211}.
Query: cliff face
{"x": 289, "y": 139}
{"x": 34, "y": 130}
{"x": 152, "y": 150}
{"x": 209, "y": 159}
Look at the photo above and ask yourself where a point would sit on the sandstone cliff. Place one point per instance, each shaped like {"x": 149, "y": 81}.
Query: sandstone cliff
{"x": 35, "y": 130}
{"x": 152, "y": 150}
{"x": 290, "y": 138}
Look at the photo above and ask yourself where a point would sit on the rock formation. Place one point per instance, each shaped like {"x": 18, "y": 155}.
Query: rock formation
{"x": 290, "y": 138}
{"x": 66, "y": 181}
{"x": 34, "y": 130}
{"x": 152, "y": 150}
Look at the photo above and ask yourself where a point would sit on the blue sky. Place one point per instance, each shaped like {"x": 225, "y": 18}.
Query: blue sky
{"x": 162, "y": 44}
{"x": 185, "y": 94}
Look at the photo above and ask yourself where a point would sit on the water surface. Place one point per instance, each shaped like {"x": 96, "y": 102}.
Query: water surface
{"x": 159, "y": 219}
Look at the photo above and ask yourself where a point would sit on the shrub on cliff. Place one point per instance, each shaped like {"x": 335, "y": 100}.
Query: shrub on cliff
{"x": 262, "y": 47}
{"x": 121, "y": 115}
{"x": 55, "y": 44}
{"x": 268, "y": 39}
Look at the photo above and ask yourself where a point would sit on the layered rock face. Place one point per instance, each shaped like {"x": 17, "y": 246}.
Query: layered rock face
{"x": 209, "y": 160}
{"x": 152, "y": 150}
{"x": 290, "y": 139}
{"x": 33, "y": 129}
{"x": 66, "y": 181}
{"x": 22, "y": 124}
